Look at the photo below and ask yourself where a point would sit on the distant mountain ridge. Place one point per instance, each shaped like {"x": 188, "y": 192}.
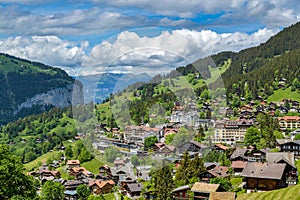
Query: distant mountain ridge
{"x": 97, "y": 88}
{"x": 31, "y": 87}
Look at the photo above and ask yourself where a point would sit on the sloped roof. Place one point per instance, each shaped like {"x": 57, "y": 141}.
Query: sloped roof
{"x": 205, "y": 187}
{"x": 101, "y": 184}
{"x": 135, "y": 187}
{"x": 238, "y": 164}
{"x": 221, "y": 146}
{"x": 198, "y": 144}
{"x": 264, "y": 170}
{"x": 284, "y": 141}
{"x": 73, "y": 162}
{"x": 219, "y": 171}
{"x": 289, "y": 118}
{"x": 185, "y": 187}
{"x": 208, "y": 164}
{"x": 222, "y": 196}
{"x": 275, "y": 157}
{"x": 238, "y": 152}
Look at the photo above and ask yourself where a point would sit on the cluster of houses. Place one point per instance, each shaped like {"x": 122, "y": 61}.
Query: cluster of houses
{"x": 260, "y": 169}
{"x": 122, "y": 175}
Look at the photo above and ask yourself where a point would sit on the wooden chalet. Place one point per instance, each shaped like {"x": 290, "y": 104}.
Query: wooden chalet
{"x": 101, "y": 187}
{"x": 264, "y": 176}
{"x": 134, "y": 190}
{"x": 287, "y": 158}
{"x": 288, "y": 145}
{"x": 72, "y": 163}
{"x": 181, "y": 193}
{"x": 203, "y": 190}
{"x": 217, "y": 172}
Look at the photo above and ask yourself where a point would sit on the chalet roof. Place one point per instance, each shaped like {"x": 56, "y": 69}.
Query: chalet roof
{"x": 219, "y": 171}
{"x": 289, "y": 118}
{"x": 238, "y": 152}
{"x": 185, "y": 187}
{"x": 53, "y": 173}
{"x": 198, "y": 144}
{"x": 168, "y": 148}
{"x": 116, "y": 171}
{"x": 101, "y": 184}
{"x": 285, "y": 141}
{"x": 105, "y": 167}
{"x": 275, "y": 157}
{"x": 238, "y": 164}
{"x": 222, "y": 196}
{"x": 73, "y": 162}
{"x": 208, "y": 164}
{"x": 264, "y": 170}
{"x": 72, "y": 183}
{"x": 205, "y": 187}
{"x": 78, "y": 170}
{"x": 135, "y": 187}
{"x": 221, "y": 146}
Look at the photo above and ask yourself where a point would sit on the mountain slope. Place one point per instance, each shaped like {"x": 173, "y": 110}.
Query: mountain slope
{"x": 263, "y": 66}
{"x": 30, "y": 87}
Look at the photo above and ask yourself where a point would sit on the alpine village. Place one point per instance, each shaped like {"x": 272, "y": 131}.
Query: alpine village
{"x": 188, "y": 134}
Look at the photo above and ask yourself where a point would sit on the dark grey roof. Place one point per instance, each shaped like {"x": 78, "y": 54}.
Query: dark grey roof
{"x": 275, "y": 157}
{"x": 238, "y": 152}
{"x": 264, "y": 170}
{"x": 135, "y": 187}
{"x": 198, "y": 144}
{"x": 208, "y": 164}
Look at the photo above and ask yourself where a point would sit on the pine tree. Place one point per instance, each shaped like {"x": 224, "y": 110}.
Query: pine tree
{"x": 163, "y": 183}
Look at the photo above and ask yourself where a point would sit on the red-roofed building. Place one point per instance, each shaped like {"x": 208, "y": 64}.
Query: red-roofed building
{"x": 80, "y": 173}
{"x": 72, "y": 163}
{"x": 101, "y": 187}
{"x": 238, "y": 166}
{"x": 289, "y": 122}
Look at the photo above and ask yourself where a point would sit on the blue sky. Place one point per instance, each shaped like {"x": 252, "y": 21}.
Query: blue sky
{"x": 87, "y": 35}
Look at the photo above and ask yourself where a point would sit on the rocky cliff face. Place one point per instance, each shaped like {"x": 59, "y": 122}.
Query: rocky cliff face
{"x": 60, "y": 97}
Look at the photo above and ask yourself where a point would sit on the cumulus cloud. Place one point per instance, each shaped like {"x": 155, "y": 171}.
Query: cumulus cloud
{"x": 183, "y": 8}
{"x": 270, "y": 13}
{"x": 50, "y": 50}
{"x": 75, "y": 22}
{"x": 135, "y": 54}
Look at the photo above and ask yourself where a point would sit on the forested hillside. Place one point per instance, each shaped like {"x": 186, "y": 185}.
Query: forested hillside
{"x": 21, "y": 80}
{"x": 262, "y": 67}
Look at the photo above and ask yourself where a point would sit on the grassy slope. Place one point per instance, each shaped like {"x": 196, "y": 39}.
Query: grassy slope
{"x": 36, "y": 163}
{"x": 7, "y": 65}
{"x": 284, "y": 94}
{"x": 292, "y": 192}
{"x": 93, "y": 165}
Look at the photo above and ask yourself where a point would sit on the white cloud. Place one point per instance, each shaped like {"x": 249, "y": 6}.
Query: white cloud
{"x": 75, "y": 22}
{"x": 271, "y": 14}
{"x": 132, "y": 53}
{"x": 50, "y": 50}
{"x": 183, "y": 8}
